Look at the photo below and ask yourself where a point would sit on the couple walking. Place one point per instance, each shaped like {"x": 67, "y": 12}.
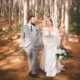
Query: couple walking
{"x": 33, "y": 40}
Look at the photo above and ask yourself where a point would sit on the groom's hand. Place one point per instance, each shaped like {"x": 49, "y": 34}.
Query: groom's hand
{"x": 31, "y": 49}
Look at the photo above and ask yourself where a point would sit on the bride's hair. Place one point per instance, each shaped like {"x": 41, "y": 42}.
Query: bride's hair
{"x": 51, "y": 21}
{"x": 48, "y": 19}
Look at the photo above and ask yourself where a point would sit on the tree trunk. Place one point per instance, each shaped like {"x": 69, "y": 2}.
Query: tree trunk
{"x": 66, "y": 20}
{"x": 0, "y": 7}
{"x": 10, "y": 14}
{"x": 25, "y": 12}
{"x": 19, "y": 12}
{"x": 62, "y": 15}
{"x": 56, "y": 11}
{"x": 36, "y": 7}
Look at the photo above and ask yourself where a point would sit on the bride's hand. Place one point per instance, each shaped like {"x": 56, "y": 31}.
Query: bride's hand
{"x": 58, "y": 47}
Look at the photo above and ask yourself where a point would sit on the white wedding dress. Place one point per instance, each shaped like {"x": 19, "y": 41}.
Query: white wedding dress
{"x": 49, "y": 62}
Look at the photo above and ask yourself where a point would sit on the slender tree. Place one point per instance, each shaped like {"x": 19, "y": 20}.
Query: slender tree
{"x": 25, "y": 9}
{"x": 66, "y": 20}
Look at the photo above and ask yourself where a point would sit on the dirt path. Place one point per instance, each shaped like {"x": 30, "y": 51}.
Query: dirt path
{"x": 14, "y": 65}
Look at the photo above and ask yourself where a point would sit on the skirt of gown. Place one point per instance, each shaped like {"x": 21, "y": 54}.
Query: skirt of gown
{"x": 49, "y": 62}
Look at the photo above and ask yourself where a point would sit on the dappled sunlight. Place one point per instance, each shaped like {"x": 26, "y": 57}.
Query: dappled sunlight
{"x": 18, "y": 41}
{"x": 60, "y": 77}
{"x": 15, "y": 62}
{"x": 73, "y": 38}
{"x": 12, "y": 63}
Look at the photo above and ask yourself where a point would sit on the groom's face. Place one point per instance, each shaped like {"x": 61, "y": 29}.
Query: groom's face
{"x": 33, "y": 20}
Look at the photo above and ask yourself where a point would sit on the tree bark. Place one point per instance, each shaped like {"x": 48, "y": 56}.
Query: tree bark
{"x": 66, "y": 20}
{"x": 25, "y": 12}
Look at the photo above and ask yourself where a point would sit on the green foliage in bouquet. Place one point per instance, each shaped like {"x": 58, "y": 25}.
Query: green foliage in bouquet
{"x": 64, "y": 54}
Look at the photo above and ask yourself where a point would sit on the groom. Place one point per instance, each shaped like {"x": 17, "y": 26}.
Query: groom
{"x": 31, "y": 42}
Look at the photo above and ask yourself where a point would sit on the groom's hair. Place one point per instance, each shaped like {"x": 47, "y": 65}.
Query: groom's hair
{"x": 29, "y": 18}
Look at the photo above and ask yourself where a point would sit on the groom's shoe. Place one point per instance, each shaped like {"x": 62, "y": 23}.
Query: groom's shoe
{"x": 32, "y": 75}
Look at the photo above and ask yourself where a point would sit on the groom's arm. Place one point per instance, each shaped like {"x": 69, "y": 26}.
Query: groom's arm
{"x": 26, "y": 38}
{"x": 22, "y": 37}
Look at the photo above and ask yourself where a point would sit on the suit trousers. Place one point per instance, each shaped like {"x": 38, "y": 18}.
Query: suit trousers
{"x": 32, "y": 59}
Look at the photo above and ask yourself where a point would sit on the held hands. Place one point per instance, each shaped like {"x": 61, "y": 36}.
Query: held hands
{"x": 31, "y": 49}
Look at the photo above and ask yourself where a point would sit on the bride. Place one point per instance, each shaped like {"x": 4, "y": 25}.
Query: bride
{"x": 51, "y": 42}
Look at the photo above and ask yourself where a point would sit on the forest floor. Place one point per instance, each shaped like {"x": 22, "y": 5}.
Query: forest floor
{"x": 14, "y": 64}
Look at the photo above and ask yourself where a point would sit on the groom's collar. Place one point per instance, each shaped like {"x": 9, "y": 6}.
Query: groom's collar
{"x": 29, "y": 24}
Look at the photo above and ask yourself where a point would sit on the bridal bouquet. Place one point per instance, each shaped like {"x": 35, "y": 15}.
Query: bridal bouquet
{"x": 62, "y": 54}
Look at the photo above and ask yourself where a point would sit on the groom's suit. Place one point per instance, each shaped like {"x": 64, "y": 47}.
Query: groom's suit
{"x": 31, "y": 42}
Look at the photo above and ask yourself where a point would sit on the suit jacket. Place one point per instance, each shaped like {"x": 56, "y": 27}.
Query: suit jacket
{"x": 31, "y": 39}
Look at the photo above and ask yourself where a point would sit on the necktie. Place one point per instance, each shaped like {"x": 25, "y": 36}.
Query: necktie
{"x": 31, "y": 28}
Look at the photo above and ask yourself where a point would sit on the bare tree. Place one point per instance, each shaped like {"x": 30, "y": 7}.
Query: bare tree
{"x": 66, "y": 20}
{"x": 25, "y": 9}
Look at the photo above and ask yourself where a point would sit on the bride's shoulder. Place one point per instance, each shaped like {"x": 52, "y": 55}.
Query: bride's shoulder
{"x": 43, "y": 31}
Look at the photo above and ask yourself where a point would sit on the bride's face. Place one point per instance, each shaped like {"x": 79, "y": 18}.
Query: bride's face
{"x": 48, "y": 22}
